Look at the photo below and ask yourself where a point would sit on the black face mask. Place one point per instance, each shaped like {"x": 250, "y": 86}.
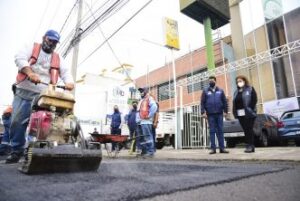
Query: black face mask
{"x": 212, "y": 84}
{"x": 134, "y": 107}
{"x": 48, "y": 48}
{"x": 116, "y": 110}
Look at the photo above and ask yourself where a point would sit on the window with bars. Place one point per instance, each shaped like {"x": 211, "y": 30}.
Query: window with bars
{"x": 165, "y": 91}
{"x": 199, "y": 85}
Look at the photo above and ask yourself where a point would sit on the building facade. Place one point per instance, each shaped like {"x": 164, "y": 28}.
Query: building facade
{"x": 270, "y": 40}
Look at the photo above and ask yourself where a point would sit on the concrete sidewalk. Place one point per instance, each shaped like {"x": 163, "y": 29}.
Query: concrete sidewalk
{"x": 236, "y": 154}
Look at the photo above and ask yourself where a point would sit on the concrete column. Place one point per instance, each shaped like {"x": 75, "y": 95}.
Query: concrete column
{"x": 209, "y": 45}
{"x": 237, "y": 31}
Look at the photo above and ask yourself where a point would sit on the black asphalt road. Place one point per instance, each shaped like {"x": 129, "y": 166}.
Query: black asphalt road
{"x": 121, "y": 179}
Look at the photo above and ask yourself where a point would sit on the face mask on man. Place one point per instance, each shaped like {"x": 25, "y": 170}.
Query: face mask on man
{"x": 134, "y": 107}
{"x": 48, "y": 47}
{"x": 116, "y": 110}
{"x": 212, "y": 84}
{"x": 241, "y": 84}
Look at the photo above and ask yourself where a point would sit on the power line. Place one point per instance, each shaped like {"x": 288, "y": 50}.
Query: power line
{"x": 42, "y": 19}
{"x": 85, "y": 31}
{"x": 55, "y": 13}
{"x": 108, "y": 44}
{"x": 115, "y": 32}
{"x": 63, "y": 26}
{"x": 112, "y": 50}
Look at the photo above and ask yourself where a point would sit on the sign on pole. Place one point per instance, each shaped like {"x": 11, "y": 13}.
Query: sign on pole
{"x": 171, "y": 36}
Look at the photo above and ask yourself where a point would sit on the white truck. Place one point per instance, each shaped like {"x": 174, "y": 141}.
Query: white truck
{"x": 165, "y": 131}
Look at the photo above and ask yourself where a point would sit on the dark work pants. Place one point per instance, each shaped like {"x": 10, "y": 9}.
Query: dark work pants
{"x": 154, "y": 137}
{"x": 247, "y": 125}
{"x": 132, "y": 136}
{"x": 115, "y": 131}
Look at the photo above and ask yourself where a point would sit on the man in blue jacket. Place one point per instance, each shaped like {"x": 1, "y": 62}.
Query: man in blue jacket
{"x": 115, "y": 126}
{"x": 131, "y": 117}
{"x": 213, "y": 104}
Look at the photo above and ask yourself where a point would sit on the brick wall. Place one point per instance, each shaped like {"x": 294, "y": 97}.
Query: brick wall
{"x": 184, "y": 66}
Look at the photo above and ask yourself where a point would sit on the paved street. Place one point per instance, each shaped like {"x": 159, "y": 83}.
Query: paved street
{"x": 159, "y": 179}
{"x": 276, "y": 186}
{"x": 236, "y": 154}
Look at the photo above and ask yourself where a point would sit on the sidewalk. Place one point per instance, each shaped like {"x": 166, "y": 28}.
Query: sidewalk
{"x": 261, "y": 154}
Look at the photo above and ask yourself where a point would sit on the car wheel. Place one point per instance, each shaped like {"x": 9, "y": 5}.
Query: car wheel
{"x": 172, "y": 141}
{"x": 159, "y": 145}
{"x": 230, "y": 143}
{"x": 297, "y": 142}
{"x": 264, "y": 141}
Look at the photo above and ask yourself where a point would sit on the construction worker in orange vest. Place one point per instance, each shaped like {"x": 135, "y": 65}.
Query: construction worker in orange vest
{"x": 146, "y": 110}
{"x": 36, "y": 63}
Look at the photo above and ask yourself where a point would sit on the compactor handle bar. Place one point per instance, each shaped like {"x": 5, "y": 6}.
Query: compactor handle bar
{"x": 57, "y": 86}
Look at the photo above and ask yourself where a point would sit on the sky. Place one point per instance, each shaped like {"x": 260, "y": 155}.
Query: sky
{"x": 25, "y": 21}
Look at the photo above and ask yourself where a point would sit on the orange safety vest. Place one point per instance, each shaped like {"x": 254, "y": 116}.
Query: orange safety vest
{"x": 54, "y": 64}
{"x": 144, "y": 108}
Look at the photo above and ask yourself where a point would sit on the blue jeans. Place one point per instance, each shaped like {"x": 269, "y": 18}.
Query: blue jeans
{"x": 215, "y": 122}
{"x": 5, "y": 145}
{"x": 147, "y": 143}
{"x": 6, "y": 124}
{"x": 19, "y": 122}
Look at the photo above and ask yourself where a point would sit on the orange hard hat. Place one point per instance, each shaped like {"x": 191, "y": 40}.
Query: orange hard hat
{"x": 8, "y": 110}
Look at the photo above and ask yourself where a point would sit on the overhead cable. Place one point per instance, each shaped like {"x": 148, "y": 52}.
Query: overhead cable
{"x": 116, "y": 31}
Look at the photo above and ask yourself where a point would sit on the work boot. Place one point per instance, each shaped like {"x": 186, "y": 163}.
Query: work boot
{"x": 213, "y": 151}
{"x": 223, "y": 151}
{"x": 14, "y": 157}
{"x": 4, "y": 149}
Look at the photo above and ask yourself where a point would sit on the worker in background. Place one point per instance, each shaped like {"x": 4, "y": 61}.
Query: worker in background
{"x": 115, "y": 125}
{"x": 5, "y": 142}
{"x": 131, "y": 117}
{"x": 147, "y": 108}
{"x": 32, "y": 70}
{"x": 95, "y": 131}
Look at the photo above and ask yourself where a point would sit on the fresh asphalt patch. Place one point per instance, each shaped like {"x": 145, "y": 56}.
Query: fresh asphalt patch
{"x": 121, "y": 179}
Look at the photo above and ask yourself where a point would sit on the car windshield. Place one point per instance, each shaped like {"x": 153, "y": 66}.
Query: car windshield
{"x": 289, "y": 115}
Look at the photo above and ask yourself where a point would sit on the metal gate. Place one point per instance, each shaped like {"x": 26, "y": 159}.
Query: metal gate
{"x": 194, "y": 133}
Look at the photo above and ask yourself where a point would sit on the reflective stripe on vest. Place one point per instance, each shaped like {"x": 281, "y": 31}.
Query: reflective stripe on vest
{"x": 144, "y": 109}
{"x": 54, "y": 64}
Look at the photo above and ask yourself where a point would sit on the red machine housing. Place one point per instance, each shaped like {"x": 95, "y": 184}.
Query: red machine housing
{"x": 40, "y": 124}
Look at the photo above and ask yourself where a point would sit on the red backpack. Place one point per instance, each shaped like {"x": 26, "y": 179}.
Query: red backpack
{"x": 54, "y": 64}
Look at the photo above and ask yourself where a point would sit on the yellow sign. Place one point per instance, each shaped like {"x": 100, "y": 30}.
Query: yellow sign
{"x": 171, "y": 33}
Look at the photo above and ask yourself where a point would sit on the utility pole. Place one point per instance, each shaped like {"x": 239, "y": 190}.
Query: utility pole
{"x": 76, "y": 44}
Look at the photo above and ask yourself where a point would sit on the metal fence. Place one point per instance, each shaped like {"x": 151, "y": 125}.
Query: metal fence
{"x": 195, "y": 129}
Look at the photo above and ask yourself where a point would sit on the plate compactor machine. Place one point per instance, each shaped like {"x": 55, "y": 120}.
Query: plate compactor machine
{"x": 57, "y": 143}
